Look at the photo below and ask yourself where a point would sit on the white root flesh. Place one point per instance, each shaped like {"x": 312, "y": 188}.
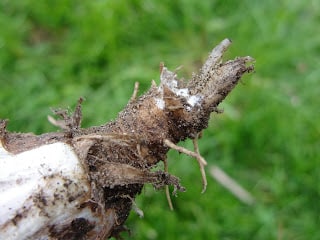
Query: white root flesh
{"x": 41, "y": 188}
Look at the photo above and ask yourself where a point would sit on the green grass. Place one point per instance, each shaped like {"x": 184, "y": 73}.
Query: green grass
{"x": 268, "y": 138}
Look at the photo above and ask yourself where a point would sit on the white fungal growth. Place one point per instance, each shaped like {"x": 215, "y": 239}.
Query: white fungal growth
{"x": 169, "y": 79}
{"x": 160, "y": 103}
{"x": 194, "y": 100}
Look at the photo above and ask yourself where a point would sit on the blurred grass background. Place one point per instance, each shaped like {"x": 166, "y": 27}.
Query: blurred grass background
{"x": 53, "y": 52}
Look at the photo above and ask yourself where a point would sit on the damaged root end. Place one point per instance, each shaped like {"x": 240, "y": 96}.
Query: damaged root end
{"x": 68, "y": 122}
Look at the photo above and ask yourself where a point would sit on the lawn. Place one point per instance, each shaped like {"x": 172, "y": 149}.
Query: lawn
{"x": 267, "y": 139}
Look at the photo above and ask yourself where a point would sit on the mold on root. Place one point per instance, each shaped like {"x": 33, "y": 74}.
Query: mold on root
{"x": 115, "y": 159}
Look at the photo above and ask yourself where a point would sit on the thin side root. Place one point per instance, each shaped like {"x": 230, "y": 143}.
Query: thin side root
{"x": 201, "y": 161}
{"x": 167, "y": 186}
{"x": 135, "y": 92}
{"x": 201, "y": 166}
{"x": 122, "y": 139}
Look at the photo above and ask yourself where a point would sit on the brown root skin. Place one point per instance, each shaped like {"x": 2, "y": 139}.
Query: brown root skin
{"x": 119, "y": 155}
